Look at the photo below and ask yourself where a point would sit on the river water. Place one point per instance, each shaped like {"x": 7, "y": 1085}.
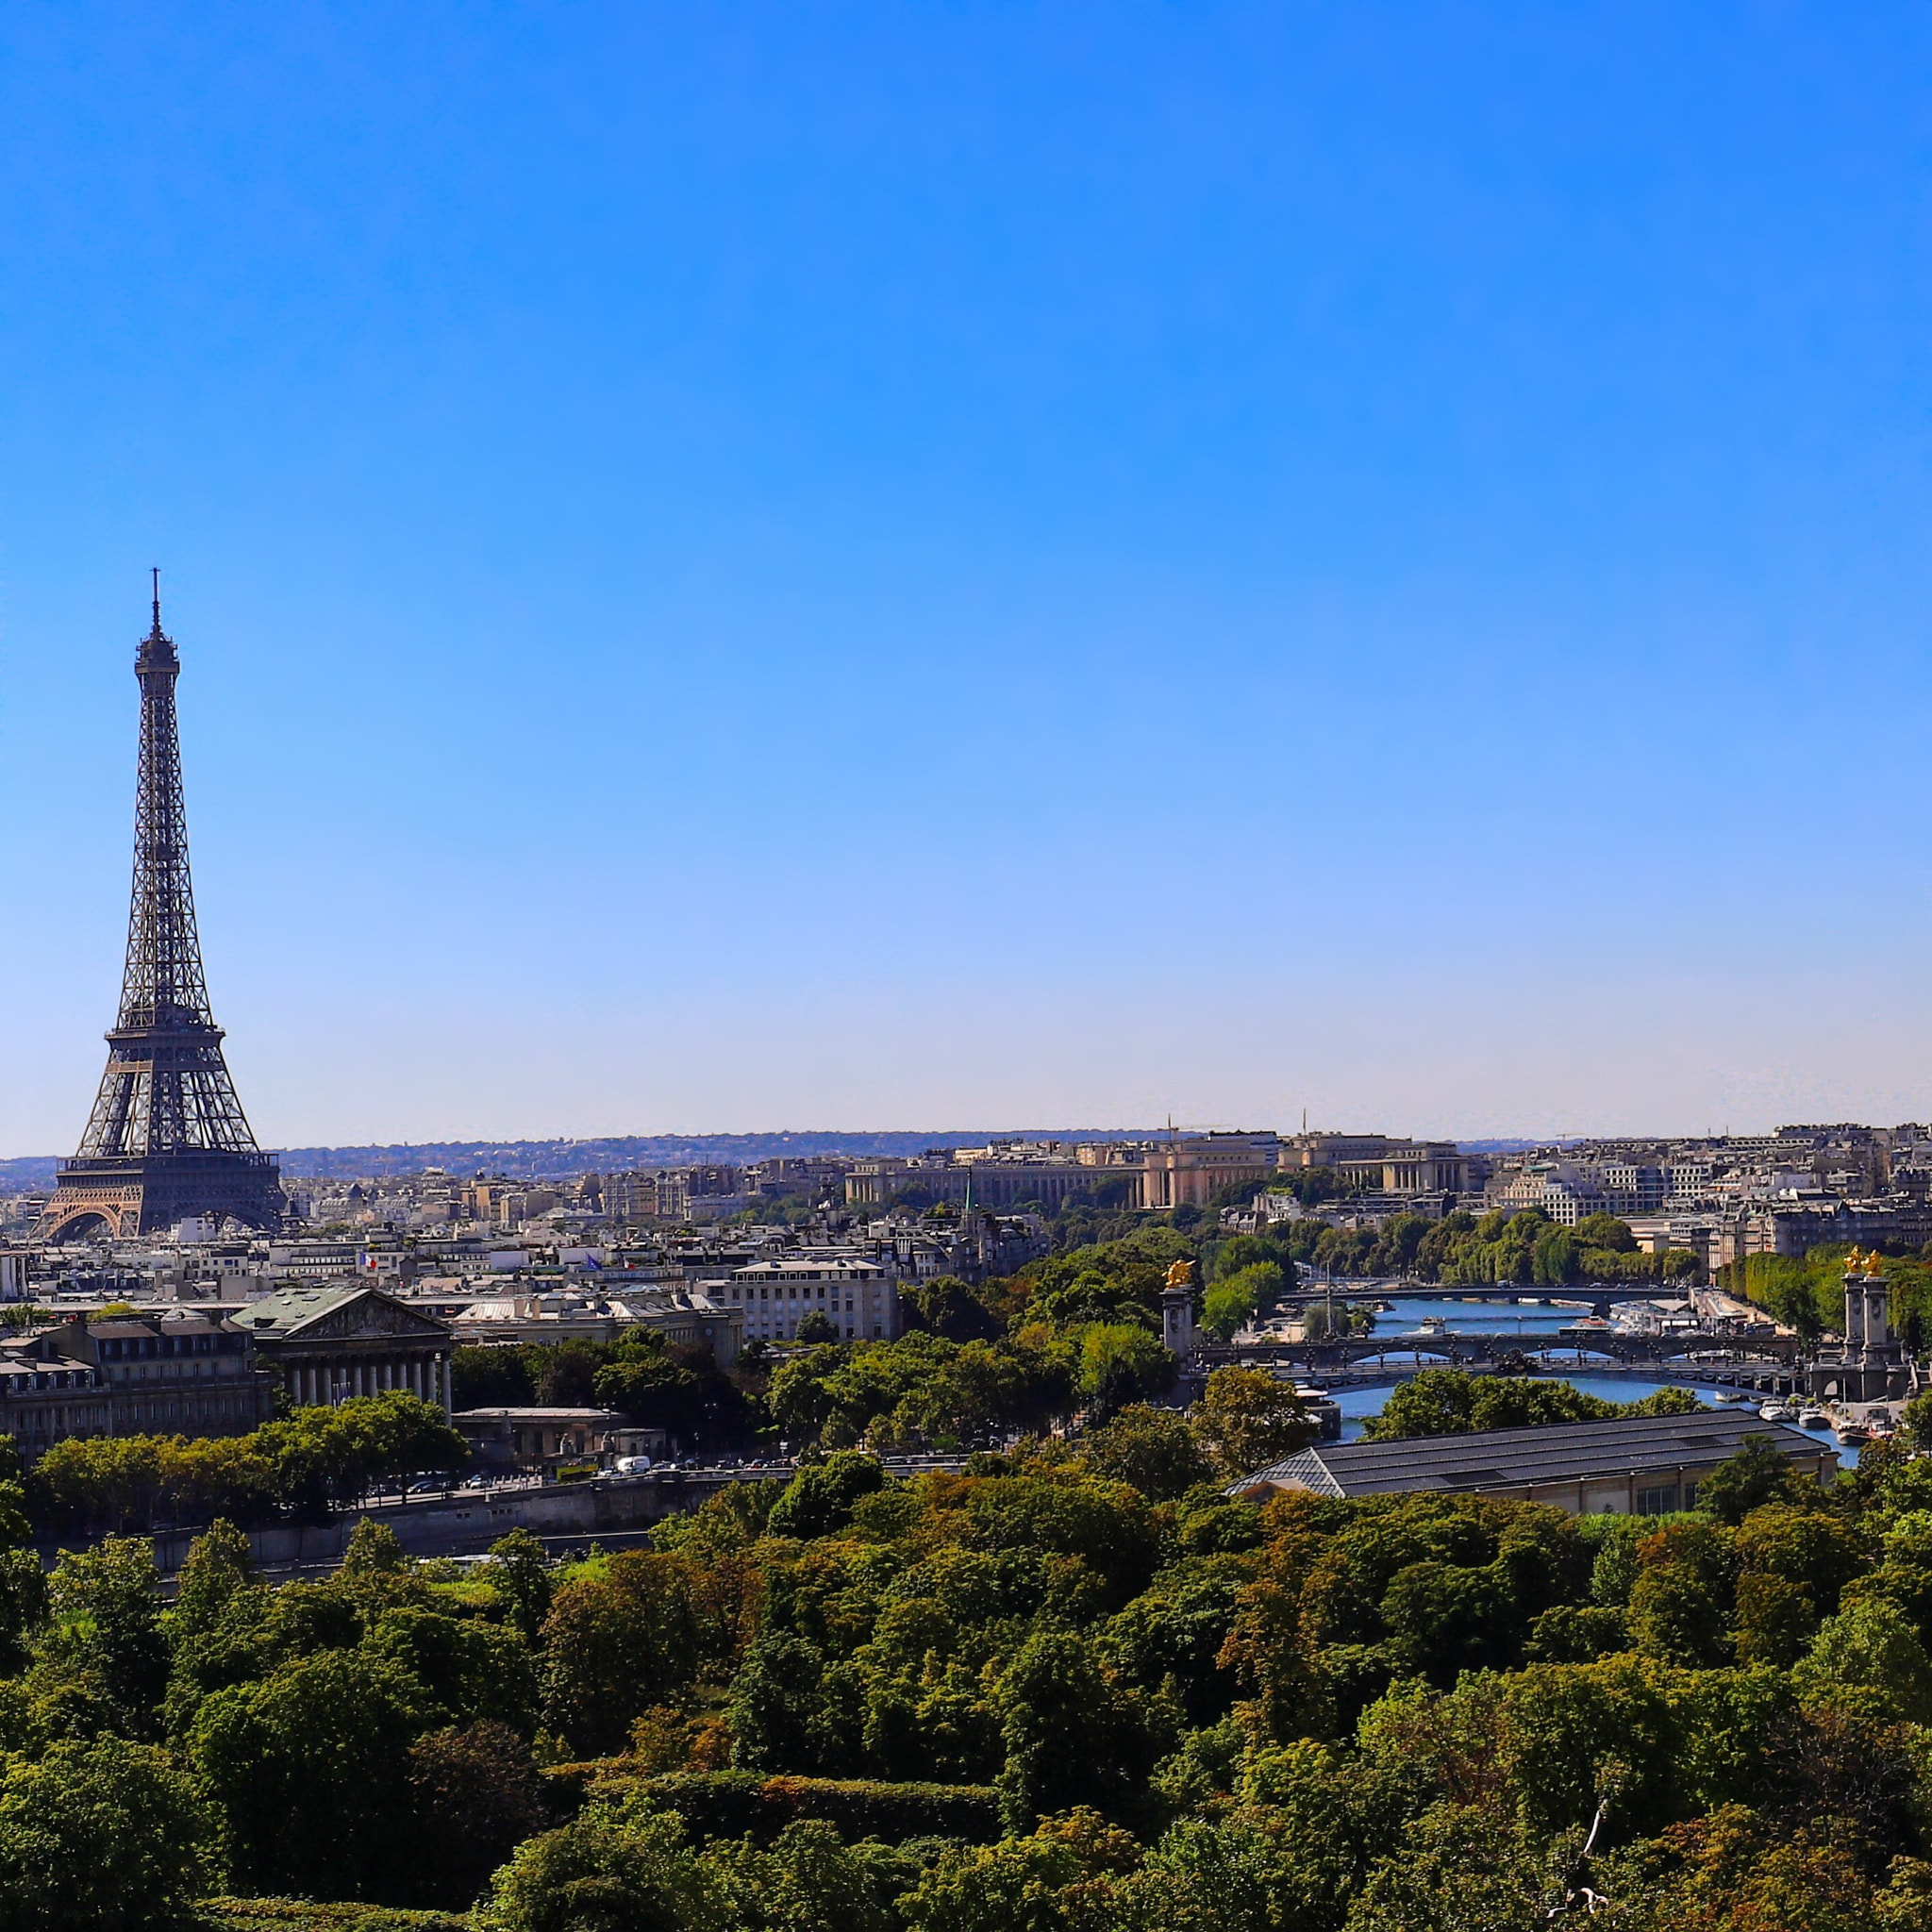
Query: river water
{"x": 1502, "y": 1318}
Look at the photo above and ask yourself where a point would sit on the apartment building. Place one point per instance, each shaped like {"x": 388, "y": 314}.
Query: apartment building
{"x": 860, "y": 1298}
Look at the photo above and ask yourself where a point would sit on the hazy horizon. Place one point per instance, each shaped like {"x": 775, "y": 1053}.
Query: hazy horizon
{"x": 881, "y": 563}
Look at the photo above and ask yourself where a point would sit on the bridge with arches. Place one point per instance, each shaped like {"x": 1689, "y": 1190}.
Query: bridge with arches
{"x": 1772, "y": 1364}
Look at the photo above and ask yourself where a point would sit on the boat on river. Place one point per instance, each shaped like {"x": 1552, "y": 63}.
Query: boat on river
{"x": 1777, "y": 1412}
{"x": 1727, "y": 1396}
{"x": 1814, "y": 1419}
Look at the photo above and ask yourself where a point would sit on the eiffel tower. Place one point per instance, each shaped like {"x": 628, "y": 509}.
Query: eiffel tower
{"x": 167, "y": 1138}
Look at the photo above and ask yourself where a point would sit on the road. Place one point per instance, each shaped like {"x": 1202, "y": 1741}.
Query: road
{"x": 770, "y": 1469}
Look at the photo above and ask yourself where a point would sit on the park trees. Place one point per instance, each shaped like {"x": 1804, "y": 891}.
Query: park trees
{"x": 1249, "y": 1420}
{"x": 310, "y": 1768}
{"x": 102, "y": 1834}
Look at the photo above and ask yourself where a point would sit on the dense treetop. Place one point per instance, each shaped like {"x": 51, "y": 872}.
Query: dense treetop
{"x": 1075, "y": 1688}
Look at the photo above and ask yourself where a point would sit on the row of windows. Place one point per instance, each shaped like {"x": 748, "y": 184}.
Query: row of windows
{"x": 866, "y": 1273}
{"x": 170, "y": 1370}
{"x": 132, "y": 1347}
{"x": 1661, "y": 1499}
{"x": 58, "y": 1423}
{"x": 789, "y": 1294}
{"x": 780, "y": 1331}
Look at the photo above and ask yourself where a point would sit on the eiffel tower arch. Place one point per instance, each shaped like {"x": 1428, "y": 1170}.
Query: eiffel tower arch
{"x": 167, "y": 1138}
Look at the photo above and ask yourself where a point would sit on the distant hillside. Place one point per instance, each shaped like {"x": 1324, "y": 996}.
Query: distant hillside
{"x": 550, "y": 1160}
{"x": 29, "y": 1171}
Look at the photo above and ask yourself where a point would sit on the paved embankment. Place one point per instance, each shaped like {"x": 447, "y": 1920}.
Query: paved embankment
{"x": 613, "y": 1510}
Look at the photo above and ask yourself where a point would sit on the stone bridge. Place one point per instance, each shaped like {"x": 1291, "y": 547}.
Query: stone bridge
{"x": 1479, "y": 1350}
{"x": 1599, "y": 1295}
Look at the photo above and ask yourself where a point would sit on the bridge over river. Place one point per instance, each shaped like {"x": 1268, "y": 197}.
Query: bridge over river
{"x": 1774, "y": 1365}
{"x": 1599, "y": 1296}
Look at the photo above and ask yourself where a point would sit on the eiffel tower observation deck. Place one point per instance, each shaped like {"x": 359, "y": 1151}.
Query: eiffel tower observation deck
{"x": 167, "y": 1139}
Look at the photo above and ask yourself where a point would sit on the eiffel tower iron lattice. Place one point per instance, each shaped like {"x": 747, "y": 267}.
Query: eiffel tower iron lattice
{"x": 167, "y": 1138}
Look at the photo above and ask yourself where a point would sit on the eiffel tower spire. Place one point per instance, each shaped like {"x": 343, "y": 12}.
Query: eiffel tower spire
{"x": 167, "y": 1137}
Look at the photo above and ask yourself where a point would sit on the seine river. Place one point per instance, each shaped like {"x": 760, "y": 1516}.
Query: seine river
{"x": 1504, "y": 1318}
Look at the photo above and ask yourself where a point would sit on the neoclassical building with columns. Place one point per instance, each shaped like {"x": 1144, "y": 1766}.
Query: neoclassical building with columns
{"x": 327, "y": 1344}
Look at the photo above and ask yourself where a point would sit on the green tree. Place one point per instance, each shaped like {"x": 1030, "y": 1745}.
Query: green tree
{"x": 22, "y": 1607}
{"x": 1071, "y": 1738}
{"x": 519, "y": 1572}
{"x": 108, "y": 1605}
{"x": 374, "y": 1550}
{"x": 1605, "y": 1231}
{"x": 474, "y": 1670}
{"x": 801, "y": 1397}
{"x": 636, "y": 1635}
{"x": 324, "y": 1458}
{"x": 777, "y": 1712}
{"x": 489, "y": 1378}
{"x": 563, "y": 1374}
{"x": 1236, "y": 1299}
{"x": 617, "y": 1867}
{"x": 311, "y": 1767}
{"x": 809, "y": 1880}
{"x": 1870, "y": 1658}
{"x": 1170, "y": 1636}
{"x": 1756, "y": 1474}
{"x": 474, "y": 1797}
{"x": 1066, "y": 1875}
{"x": 1678, "y": 1615}
{"x": 1461, "y": 1868}
{"x": 218, "y": 1568}
{"x": 102, "y": 1837}
{"x": 947, "y": 1305}
{"x": 820, "y": 1499}
{"x": 1915, "y": 1421}
{"x": 1120, "y": 1363}
{"x": 655, "y": 1392}
{"x": 1250, "y": 1420}
{"x": 1444, "y": 1618}
{"x": 1156, "y": 1450}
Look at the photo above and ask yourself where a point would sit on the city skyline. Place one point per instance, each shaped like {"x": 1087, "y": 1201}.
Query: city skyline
{"x": 889, "y": 568}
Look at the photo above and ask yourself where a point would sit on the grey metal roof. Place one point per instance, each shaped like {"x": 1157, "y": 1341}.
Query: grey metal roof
{"x": 1509, "y": 1458}
{"x": 295, "y": 1308}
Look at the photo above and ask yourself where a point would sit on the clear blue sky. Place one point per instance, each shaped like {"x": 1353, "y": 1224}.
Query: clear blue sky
{"x": 927, "y": 565}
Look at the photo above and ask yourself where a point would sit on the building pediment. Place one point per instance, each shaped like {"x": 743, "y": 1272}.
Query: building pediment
{"x": 365, "y": 1315}
{"x": 374, "y": 1316}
